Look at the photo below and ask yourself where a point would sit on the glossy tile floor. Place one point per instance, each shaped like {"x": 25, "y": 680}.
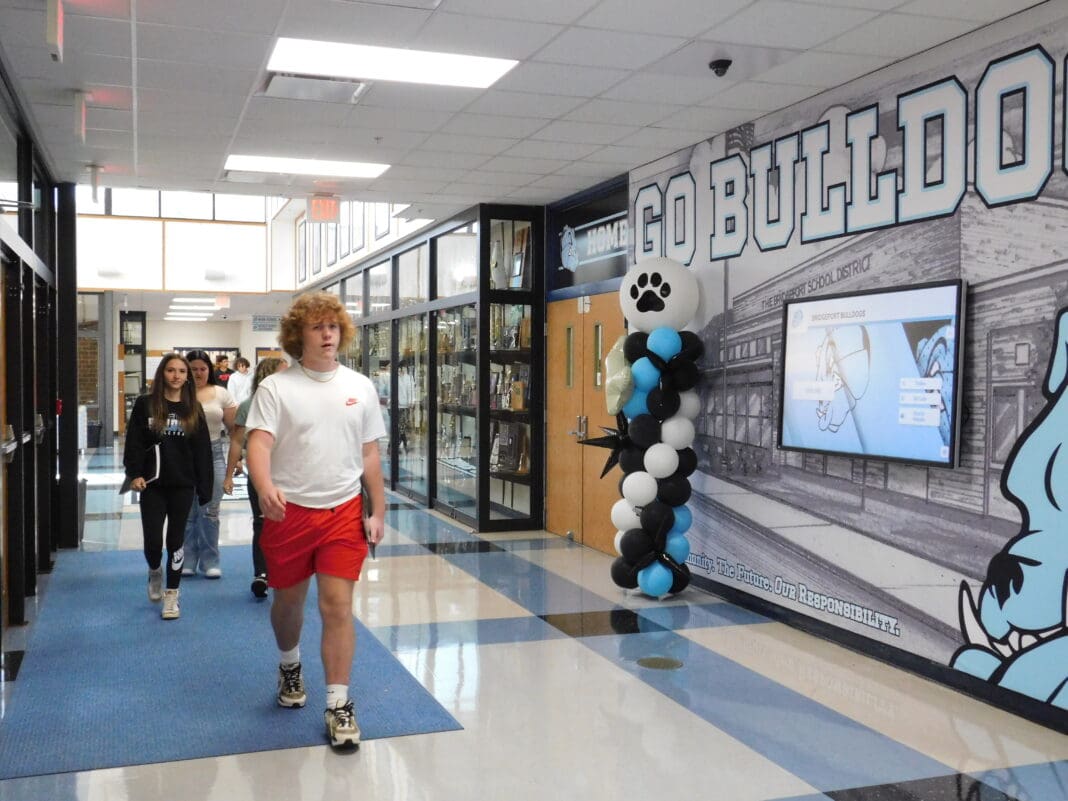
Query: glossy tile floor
{"x": 568, "y": 688}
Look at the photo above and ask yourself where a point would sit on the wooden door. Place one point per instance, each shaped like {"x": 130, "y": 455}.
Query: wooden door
{"x": 602, "y": 326}
{"x": 563, "y": 407}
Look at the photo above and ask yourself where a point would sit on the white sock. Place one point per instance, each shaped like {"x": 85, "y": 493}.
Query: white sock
{"x": 290, "y": 657}
{"x": 336, "y": 695}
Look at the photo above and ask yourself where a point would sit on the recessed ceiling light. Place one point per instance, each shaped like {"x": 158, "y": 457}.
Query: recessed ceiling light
{"x": 291, "y": 166}
{"x": 367, "y": 62}
{"x": 189, "y": 300}
{"x": 186, "y": 307}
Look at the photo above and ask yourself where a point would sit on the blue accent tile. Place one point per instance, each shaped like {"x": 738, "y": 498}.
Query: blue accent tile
{"x": 1043, "y": 781}
{"x": 425, "y": 636}
{"x": 536, "y": 544}
{"x": 782, "y": 725}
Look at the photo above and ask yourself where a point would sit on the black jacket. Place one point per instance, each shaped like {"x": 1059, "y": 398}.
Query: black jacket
{"x": 185, "y": 460}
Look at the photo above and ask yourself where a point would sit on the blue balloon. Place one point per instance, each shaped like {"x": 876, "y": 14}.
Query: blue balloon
{"x": 664, "y": 342}
{"x": 646, "y": 376}
{"x": 683, "y": 520}
{"x": 654, "y": 580}
{"x": 637, "y": 404}
{"x": 677, "y": 547}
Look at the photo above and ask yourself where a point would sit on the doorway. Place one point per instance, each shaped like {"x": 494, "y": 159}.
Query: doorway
{"x": 578, "y": 501}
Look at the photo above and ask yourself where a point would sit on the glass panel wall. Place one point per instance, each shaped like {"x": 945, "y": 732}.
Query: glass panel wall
{"x": 457, "y": 423}
{"x": 378, "y": 370}
{"x": 413, "y": 275}
{"x": 352, "y": 356}
{"x": 412, "y": 443}
{"x": 352, "y": 296}
{"x": 458, "y": 261}
{"x": 380, "y": 288}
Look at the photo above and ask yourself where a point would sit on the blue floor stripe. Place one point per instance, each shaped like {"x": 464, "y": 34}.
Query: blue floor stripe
{"x": 423, "y": 636}
{"x": 1043, "y": 781}
{"x": 823, "y": 747}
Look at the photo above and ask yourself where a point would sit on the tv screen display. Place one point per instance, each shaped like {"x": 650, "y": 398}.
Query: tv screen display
{"x": 874, "y": 374}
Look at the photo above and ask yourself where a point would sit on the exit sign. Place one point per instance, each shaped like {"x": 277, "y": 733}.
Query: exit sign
{"x": 324, "y": 209}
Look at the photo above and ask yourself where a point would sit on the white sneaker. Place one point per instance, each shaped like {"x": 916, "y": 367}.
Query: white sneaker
{"x": 155, "y": 584}
{"x": 170, "y": 605}
{"x": 341, "y": 726}
{"x": 213, "y": 573}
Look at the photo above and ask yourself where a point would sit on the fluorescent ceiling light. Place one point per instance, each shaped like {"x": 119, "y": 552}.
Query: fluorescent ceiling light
{"x": 192, "y": 315}
{"x": 189, "y": 300}
{"x": 188, "y": 308}
{"x": 289, "y": 166}
{"x": 365, "y": 62}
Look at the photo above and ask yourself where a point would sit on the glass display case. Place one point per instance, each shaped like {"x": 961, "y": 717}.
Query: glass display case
{"x": 378, "y": 369}
{"x": 410, "y": 409}
{"x": 457, "y": 409}
{"x": 509, "y": 409}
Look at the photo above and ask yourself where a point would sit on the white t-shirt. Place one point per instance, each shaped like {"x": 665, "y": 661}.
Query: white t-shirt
{"x": 239, "y": 386}
{"x": 213, "y": 411}
{"x": 319, "y": 431}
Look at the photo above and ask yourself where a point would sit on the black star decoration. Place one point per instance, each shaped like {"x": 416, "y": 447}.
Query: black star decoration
{"x": 616, "y": 439}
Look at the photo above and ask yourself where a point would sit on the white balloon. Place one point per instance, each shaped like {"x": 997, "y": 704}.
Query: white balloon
{"x": 659, "y": 293}
{"x": 661, "y": 460}
{"x": 678, "y": 432}
{"x": 689, "y": 404}
{"x": 624, "y": 517}
{"x": 639, "y": 488}
{"x": 615, "y": 543}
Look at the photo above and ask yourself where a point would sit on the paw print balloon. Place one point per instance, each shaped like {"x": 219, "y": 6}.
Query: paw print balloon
{"x": 658, "y": 293}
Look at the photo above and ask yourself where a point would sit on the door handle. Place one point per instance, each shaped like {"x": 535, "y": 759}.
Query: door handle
{"x": 39, "y": 428}
{"x": 580, "y": 430}
{"x": 583, "y": 424}
{"x": 9, "y": 444}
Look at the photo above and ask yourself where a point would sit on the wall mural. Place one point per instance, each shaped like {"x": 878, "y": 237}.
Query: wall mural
{"x": 959, "y": 172}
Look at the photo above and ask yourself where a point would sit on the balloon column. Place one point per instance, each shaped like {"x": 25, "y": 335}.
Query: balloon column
{"x": 656, "y": 406}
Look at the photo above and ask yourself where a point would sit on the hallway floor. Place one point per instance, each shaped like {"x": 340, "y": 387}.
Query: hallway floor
{"x": 568, "y": 688}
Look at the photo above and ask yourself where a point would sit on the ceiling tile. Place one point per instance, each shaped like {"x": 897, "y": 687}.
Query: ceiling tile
{"x": 213, "y": 15}
{"x": 410, "y": 95}
{"x": 814, "y": 68}
{"x": 388, "y": 119}
{"x": 757, "y": 96}
{"x": 406, "y": 172}
{"x": 359, "y": 23}
{"x": 608, "y": 48}
{"x": 109, "y": 37}
{"x": 206, "y": 107}
{"x": 795, "y": 26}
{"x": 458, "y": 33}
{"x": 369, "y": 140}
{"x": 493, "y": 125}
{"x": 872, "y": 5}
{"x": 647, "y": 88}
{"x": 109, "y": 119}
{"x": 976, "y": 10}
{"x": 523, "y": 104}
{"x": 525, "y": 165}
{"x": 898, "y": 35}
{"x": 95, "y": 69}
{"x": 670, "y": 17}
{"x": 216, "y": 48}
{"x": 534, "y": 76}
{"x": 171, "y": 75}
{"x": 118, "y": 9}
{"x": 424, "y": 157}
{"x": 621, "y": 113}
{"x": 630, "y": 156}
{"x": 666, "y": 140}
{"x": 282, "y": 111}
{"x": 180, "y": 123}
{"x": 710, "y": 120}
{"x": 550, "y": 150}
{"x": 553, "y": 11}
{"x": 485, "y": 145}
{"x": 590, "y": 169}
{"x": 584, "y": 132}
{"x": 747, "y": 61}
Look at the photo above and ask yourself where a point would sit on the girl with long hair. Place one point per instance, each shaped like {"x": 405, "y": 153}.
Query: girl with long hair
{"x": 168, "y": 460}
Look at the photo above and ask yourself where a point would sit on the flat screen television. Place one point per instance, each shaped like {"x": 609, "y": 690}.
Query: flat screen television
{"x": 874, "y": 374}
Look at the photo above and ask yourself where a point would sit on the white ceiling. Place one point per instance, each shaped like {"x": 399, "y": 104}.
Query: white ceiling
{"x": 602, "y": 86}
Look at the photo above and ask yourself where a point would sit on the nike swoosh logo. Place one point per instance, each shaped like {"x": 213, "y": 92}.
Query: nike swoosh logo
{"x": 350, "y": 402}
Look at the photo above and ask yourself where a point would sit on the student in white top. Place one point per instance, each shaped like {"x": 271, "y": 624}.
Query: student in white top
{"x": 202, "y": 528}
{"x": 240, "y": 384}
{"x": 312, "y": 445}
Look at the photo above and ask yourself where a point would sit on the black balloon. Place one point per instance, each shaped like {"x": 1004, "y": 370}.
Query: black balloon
{"x": 680, "y": 578}
{"x": 662, "y": 403}
{"x": 624, "y": 575}
{"x": 644, "y": 430}
{"x": 634, "y": 346}
{"x": 692, "y": 346}
{"x": 657, "y": 519}
{"x": 632, "y": 459}
{"x": 687, "y": 462}
{"x": 673, "y": 490}
{"x": 681, "y": 375}
{"x": 635, "y": 545}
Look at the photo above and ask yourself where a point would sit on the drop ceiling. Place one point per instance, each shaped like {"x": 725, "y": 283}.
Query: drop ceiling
{"x": 602, "y": 86}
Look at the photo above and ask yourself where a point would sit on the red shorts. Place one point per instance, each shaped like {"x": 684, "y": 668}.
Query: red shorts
{"x": 308, "y": 541}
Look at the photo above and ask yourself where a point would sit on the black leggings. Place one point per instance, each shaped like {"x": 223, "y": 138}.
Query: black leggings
{"x": 173, "y": 505}
{"x": 259, "y": 564}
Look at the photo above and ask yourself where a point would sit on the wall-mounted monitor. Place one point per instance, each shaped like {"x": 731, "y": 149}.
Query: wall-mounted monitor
{"x": 874, "y": 374}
